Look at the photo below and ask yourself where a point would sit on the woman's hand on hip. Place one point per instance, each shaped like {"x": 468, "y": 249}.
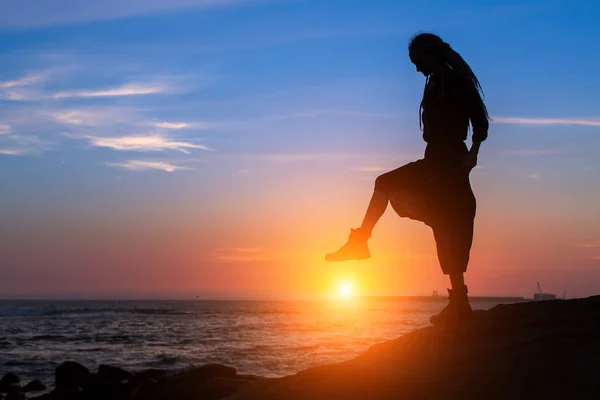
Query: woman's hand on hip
{"x": 470, "y": 160}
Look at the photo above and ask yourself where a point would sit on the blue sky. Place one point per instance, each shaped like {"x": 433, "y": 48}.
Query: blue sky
{"x": 204, "y": 114}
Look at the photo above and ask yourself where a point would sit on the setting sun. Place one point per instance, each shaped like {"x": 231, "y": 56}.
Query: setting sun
{"x": 345, "y": 289}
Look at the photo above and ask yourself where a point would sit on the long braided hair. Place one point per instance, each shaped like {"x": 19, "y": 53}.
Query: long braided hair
{"x": 429, "y": 43}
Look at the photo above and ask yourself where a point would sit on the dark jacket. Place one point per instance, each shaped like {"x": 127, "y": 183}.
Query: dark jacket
{"x": 449, "y": 103}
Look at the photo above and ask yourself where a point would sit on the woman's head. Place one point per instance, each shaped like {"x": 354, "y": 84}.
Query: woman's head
{"x": 426, "y": 51}
{"x": 431, "y": 54}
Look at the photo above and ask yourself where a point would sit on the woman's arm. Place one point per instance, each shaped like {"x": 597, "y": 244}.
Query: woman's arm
{"x": 480, "y": 125}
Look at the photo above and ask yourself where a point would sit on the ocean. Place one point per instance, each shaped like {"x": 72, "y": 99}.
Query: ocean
{"x": 267, "y": 338}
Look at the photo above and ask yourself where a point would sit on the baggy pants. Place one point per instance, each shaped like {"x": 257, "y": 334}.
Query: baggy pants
{"x": 436, "y": 190}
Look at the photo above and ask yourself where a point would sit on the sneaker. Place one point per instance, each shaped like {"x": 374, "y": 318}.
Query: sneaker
{"x": 356, "y": 248}
{"x": 458, "y": 309}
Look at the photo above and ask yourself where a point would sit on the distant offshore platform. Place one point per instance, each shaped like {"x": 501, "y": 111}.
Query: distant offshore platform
{"x": 435, "y": 296}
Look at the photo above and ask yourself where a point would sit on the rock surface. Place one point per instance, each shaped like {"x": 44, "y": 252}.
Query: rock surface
{"x": 536, "y": 350}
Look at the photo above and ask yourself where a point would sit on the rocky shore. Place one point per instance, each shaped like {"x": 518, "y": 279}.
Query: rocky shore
{"x": 533, "y": 350}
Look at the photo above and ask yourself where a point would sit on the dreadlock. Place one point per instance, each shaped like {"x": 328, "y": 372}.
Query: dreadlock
{"x": 433, "y": 44}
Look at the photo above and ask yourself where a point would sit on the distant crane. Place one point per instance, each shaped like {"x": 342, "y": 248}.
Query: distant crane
{"x": 540, "y": 295}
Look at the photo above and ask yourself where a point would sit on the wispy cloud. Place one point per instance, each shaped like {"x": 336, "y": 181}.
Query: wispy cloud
{"x": 182, "y": 125}
{"x": 5, "y": 129}
{"x": 589, "y": 245}
{"x": 140, "y": 143}
{"x": 171, "y": 125}
{"x": 368, "y": 169}
{"x": 105, "y": 116}
{"x": 592, "y": 246}
{"x": 20, "y": 94}
{"x": 90, "y": 117}
{"x": 242, "y": 254}
{"x": 124, "y": 90}
{"x": 26, "y": 87}
{"x": 534, "y": 176}
{"x": 12, "y": 152}
{"x": 34, "y": 13}
{"x": 23, "y": 81}
{"x": 593, "y": 121}
{"x": 20, "y": 145}
{"x": 140, "y": 165}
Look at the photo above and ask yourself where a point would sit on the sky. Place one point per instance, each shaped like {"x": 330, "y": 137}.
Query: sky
{"x": 220, "y": 148}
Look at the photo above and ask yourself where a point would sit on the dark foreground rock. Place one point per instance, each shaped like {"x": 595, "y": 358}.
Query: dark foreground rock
{"x": 76, "y": 382}
{"x": 537, "y": 350}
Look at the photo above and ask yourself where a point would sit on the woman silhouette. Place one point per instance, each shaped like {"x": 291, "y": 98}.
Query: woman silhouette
{"x": 436, "y": 189}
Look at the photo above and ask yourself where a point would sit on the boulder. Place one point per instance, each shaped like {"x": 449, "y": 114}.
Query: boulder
{"x": 8, "y": 381}
{"x": 34, "y": 386}
{"x": 15, "y": 394}
{"x": 112, "y": 374}
{"x": 71, "y": 375}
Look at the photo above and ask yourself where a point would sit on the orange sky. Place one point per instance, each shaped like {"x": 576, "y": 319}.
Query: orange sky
{"x": 168, "y": 150}
{"x": 271, "y": 244}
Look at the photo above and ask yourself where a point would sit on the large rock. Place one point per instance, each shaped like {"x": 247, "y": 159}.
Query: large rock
{"x": 70, "y": 376}
{"x": 14, "y": 394}
{"x": 208, "y": 382}
{"x": 9, "y": 381}
{"x": 140, "y": 388}
{"x": 152, "y": 373}
{"x": 34, "y": 386}
{"x": 110, "y": 373}
{"x": 536, "y": 350}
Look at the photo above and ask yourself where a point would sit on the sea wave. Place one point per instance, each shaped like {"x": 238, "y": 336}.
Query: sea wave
{"x": 22, "y": 312}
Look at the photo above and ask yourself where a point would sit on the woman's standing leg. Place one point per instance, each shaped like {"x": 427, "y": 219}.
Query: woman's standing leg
{"x": 453, "y": 235}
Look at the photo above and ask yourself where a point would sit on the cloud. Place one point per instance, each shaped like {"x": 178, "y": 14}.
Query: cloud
{"x": 13, "y": 152}
{"x": 594, "y": 121}
{"x": 139, "y": 165}
{"x": 20, "y": 145}
{"x": 171, "y": 125}
{"x": 534, "y": 176}
{"x": 369, "y": 169}
{"x": 242, "y": 254}
{"x": 247, "y": 249}
{"x": 38, "y": 13}
{"x": 26, "y": 87}
{"x": 24, "y": 81}
{"x": 140, "y": 143}
{"x": 124, "y": 90}
{"x": 20, "y": 94}
{"x": 589, "y": 245}
{"x": 595, "y": 257}
{"x": 182, "y": 125}
{"x": 5, "y": 129}
{"x": 89, "y": 117}
{"x": 106, "y": 116}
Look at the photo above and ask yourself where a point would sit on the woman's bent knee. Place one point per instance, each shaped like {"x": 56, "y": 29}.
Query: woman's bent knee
{"x": 382, "y": 183}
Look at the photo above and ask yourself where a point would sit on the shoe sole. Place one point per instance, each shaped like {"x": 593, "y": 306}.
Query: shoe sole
{"x": 347, "y": 259}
